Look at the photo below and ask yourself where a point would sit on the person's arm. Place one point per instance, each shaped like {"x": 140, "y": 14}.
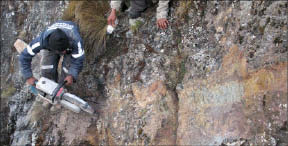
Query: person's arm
{"x": 115, "y": 6}
{"x": 25, "y": 59}
{"x": 162, "y": 12}
{"x": 77, "y": 60}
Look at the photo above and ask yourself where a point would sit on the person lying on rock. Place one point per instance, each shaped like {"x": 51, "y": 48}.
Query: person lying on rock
{"x": 137, "y": 7}
{"x": 60, "y": 39}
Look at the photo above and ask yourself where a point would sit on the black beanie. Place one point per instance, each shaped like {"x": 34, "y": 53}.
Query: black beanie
{"x": 58, "y": 40}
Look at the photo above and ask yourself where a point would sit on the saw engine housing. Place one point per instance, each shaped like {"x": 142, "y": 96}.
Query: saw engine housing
{"x": 47, "y": 87}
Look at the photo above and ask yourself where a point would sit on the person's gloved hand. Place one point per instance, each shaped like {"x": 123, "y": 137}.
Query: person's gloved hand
{"x": 31, "y": 81}
{"x": 69, "y": 80}
{"x": 112, "y": 18}
{"x": 162, "y": 23}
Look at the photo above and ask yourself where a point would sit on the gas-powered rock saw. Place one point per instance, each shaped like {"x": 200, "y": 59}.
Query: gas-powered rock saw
{"x": 54, "y": 93}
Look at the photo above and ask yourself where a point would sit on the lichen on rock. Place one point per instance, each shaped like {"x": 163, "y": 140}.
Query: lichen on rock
{"x": 216, "y": 76}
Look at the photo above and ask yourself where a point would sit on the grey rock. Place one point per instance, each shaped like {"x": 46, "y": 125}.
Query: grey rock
{"x": 22, "y": 137}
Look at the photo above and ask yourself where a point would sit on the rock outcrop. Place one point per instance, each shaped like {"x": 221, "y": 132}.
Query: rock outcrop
{"x": 216, "y": 76}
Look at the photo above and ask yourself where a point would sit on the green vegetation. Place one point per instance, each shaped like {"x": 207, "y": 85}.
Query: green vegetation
{"x": 69, "y": 13}
{"x": 182, "y": 70}
{"x": 183, "y": 8}
{"x": 90, "y": 16}
{"x": 135, "y": 27}
{"x": 177, "y": 73}
{"x": 9, "y": 91}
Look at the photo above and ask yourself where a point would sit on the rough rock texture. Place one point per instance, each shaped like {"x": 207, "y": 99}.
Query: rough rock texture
{"x": 24, "y": 20}
{"x": 247, "y": 96}
{"x": 217, "y": 75}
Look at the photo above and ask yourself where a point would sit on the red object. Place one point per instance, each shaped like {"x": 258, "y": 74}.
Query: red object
{"x": 59, "y": 92}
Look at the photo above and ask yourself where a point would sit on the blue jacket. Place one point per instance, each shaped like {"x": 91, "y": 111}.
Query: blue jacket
{"x": 41, "y": 42}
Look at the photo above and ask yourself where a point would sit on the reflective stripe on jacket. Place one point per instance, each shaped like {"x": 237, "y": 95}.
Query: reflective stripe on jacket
{"x": 41, "y": 42}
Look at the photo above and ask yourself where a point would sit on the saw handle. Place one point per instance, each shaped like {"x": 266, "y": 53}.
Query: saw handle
{"x": 60, "y": 85}
{"x": 33, "y": 89}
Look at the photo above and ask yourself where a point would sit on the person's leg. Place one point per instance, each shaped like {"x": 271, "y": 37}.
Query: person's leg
{"x": 49, "y": 65}
{"x": 124, "y": 5}
{"x": 137, "y": 7}
{"x": 149, "y": 3}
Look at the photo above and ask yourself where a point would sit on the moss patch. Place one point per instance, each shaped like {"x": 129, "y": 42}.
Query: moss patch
{"x": 9, "y": 91}
{"x": 176, "y": 75}
{"x": 183, "y": 9}
{"x": 182, "y": 70}
{"x": 135, "y": 27}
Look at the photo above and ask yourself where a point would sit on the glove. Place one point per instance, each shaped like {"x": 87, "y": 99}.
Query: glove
{"x": 33, "y": 90}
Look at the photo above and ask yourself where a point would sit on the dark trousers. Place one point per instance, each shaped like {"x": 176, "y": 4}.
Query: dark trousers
{"x": 49, "y": 65}
{"x": 137, "y": 7}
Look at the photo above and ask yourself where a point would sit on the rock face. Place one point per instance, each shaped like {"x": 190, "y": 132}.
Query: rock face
{"x": 217, "y": 75}
{"x": 24, "y": 20}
